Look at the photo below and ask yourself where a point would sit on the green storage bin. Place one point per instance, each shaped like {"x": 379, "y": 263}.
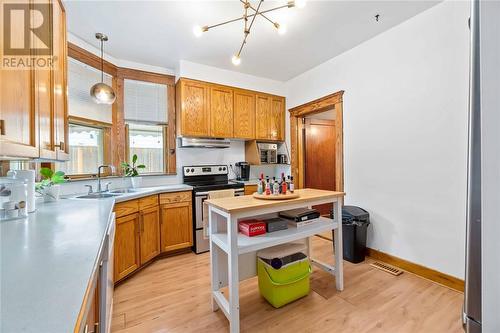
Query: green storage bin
{"x": 285, "y": 285}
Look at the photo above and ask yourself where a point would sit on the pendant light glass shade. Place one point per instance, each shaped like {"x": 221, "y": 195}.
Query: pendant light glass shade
{"x": 102, "y": 93}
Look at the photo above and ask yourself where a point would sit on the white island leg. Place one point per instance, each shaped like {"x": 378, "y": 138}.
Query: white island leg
{"x": 234, "y": 294}
{"x": 339, "y": 264}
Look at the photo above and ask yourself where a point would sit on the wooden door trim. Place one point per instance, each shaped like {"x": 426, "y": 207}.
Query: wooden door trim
{"x": 297, "y": 114}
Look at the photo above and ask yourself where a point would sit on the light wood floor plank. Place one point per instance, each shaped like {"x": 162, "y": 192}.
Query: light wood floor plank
{"x": 173, "y": 295}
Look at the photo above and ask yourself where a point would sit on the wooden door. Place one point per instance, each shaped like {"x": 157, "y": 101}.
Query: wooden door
{"x": 195, "y": 108}
{"x": 221, "y": 112}
{"x": 176, "y": 226}
{"x": 17, "y": 106}
{"x": 262, "y": 117}
{"x": 277, "y": 119}
{"x": 60, "y": 90}
{"x": 319, "y": 157}
{"x": 127, "y": 252}
{"x": 150, "y": 233}
{"x": 244, "y": 115}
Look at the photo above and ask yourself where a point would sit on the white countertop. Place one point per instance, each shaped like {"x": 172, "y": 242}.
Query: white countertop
{"x": 47, "y": 261}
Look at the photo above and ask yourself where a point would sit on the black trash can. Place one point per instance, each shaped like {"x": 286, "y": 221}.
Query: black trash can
{"x": 355, "y": 222}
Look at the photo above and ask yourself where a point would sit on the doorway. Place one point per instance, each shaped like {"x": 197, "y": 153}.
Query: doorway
{"x": 319, "y": 154}
{"x": 312, "y": 115}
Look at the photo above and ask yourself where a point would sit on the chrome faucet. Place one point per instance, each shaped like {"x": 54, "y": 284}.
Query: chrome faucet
{"x": 99, "y": 189}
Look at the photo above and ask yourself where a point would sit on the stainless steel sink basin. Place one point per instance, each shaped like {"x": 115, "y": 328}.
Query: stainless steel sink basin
{"x": 124, "y": 191}
{"x": 97, "y": 195}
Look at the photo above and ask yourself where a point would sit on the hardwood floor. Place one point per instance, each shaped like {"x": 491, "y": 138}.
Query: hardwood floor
{"x": 173, "y": 295}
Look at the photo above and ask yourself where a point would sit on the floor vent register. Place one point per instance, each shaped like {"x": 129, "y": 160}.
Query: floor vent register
{"x": 387, "y": 268}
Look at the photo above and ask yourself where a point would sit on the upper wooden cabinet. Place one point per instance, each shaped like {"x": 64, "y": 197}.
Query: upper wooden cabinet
{"x": 216, "y": 111}
{"x": 221, "y": 112}
{"x": 193, "y": 105}
{"x": 244, "y": 114}
{"x": 33, "y": 105}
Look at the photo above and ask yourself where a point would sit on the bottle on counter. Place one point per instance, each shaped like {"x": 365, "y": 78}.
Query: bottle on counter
{"x": 276, "y": 187}
{"x": 268, "y": 188}
{"x": 284, "y": 185}
{"x": 288, "y": 182}
{"x": 292, "y": 186}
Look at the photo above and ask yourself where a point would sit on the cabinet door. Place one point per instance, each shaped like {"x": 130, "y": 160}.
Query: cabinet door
{"x": 262, "y": 117}
{"x": 176, "y": 226}
{"x": 195, "y": 108}
{"x": 17, "y": 109}
{"x": 277, "y": 119}
{"x": 221, "y": 112}
{"x": 126, "y": 246}
{"x": 60, "y": 82}
{"x": 44, "y": 103}
{"x": 150, "y": 233}
{"x": 244, "y": 115}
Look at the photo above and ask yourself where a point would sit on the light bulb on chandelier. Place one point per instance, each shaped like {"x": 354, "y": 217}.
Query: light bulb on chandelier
{"x": 236, "y": 60}
{"x": 281, "y": 28}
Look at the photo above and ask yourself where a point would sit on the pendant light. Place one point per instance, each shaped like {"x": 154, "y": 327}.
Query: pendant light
{"x": 102, "y": 93}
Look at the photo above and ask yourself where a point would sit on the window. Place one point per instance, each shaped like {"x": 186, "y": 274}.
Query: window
{"x": 147, "y": 142}
{"x": 86, "y": 150}
{"x": 145, "y": 109}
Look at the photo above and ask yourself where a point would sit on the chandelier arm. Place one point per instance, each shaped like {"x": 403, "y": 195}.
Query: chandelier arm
{"x": 242, "y": 17}
{"x": 248, "y": 31}
{"x": 259, "y": 13}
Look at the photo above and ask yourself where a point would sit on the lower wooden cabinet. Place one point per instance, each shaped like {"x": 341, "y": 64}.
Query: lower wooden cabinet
{"x": 149, "y": 233}
{"x": 176, "y": 226}
{"x": 148, "y": 226}
{"x": 127, "y": 252}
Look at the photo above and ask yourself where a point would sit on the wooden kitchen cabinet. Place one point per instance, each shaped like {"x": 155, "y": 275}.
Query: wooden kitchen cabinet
{"x": 262, "y": 117}
{"x": 216, "y": 111}
{"x": 33, "y": 104}
{"x": 60, "y": 95}
{"x": 149, "y": 233}
{"x": 244, "y": 115}
{"x": 176, "y": 226}
{"x": 193, "y": 105}
{"x": 127, "y": 243}
{"x": 250, "y": 189}
{"x": 221, "y": 112}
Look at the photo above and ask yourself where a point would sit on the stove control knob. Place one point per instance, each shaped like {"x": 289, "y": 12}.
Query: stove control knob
{"x": 220, "y": 169}
{"x": 187, "y": 170}
{"x": 224, "y": 169}
{"x": 192, "y": 170}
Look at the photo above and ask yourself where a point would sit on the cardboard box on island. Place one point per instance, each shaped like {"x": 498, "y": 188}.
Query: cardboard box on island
{"x": 252, "y": 227}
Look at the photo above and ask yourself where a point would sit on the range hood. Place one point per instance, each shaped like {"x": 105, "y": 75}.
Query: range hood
{"x": 203, "y": 143}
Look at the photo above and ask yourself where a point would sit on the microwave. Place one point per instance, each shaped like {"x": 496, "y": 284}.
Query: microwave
{"x": 268, "y": 153}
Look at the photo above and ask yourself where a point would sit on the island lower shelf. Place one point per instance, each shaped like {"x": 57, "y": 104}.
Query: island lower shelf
{"x": 250, "y": 244}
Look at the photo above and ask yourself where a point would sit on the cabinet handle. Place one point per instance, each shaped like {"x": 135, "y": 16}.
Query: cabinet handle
{"x": 142, "y": 221}
{"x": 86, "y": 329}
{"x": 96, "y": 327}
{"x": 60, "y": 145}
{"x": 2, "y": 127}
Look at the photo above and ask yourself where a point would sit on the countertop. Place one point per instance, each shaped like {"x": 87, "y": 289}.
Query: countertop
{"x": 248, "y": 202}
{"x": 49, "y": 258}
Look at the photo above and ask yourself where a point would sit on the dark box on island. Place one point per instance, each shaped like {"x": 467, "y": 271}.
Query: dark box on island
{"x": 276, "y": 224}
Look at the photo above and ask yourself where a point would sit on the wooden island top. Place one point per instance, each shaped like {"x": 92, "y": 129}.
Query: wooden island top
{"x": 248, "y": 202}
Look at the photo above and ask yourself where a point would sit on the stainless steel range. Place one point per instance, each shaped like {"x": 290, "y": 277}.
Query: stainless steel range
{"x": 205, "y": 178}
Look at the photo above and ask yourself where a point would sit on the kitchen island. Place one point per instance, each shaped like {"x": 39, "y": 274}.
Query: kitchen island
{"x": 233, "y": 255}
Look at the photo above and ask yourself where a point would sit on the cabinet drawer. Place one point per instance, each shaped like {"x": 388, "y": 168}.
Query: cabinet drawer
{"x": 148, "y": 202}
{"x": 166, "y": 198}
{"x": 126, "y": 208}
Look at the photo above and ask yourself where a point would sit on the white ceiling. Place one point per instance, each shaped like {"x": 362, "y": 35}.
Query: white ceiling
{"x": 159, "y": 33}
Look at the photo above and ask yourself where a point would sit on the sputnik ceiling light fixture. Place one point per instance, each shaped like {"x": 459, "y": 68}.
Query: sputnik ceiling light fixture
{"x": 247, "y": 7}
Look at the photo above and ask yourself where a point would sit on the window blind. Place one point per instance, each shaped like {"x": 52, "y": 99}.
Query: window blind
{"x": 145, "y": 101}
{"x": 81, "y": 78}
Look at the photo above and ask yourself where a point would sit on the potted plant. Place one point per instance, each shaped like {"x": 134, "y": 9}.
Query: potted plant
{"x": 49, "y": 186}
{"x": 132, "y": 171}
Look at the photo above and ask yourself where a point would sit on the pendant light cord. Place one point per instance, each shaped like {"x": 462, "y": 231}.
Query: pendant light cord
{"x": 102, "y": 62}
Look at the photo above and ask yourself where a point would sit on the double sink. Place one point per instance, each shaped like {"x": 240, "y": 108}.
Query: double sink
{"x": 113, "y": 193}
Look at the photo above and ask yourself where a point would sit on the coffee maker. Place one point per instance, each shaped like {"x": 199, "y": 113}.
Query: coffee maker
{"x": 242, "y": 171}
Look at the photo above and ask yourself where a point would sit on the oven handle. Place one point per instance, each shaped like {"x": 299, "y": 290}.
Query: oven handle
{"x": 203, "y": 194}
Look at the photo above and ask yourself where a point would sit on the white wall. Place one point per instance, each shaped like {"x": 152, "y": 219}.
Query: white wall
{"x": 405, "y": 131}
{"x": 223, "y": 76}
